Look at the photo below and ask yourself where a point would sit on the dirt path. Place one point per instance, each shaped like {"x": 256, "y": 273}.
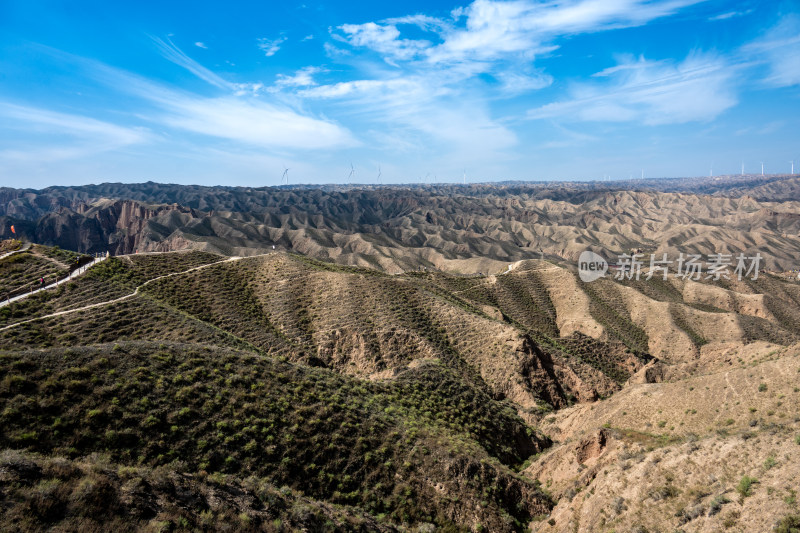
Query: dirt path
{"x": 730, "y": 386}
{"x": 121, "y": 298}
{"x": 25, "y": 248}
{"x": 46, "y": 258}
{"x": 490, "y": 279}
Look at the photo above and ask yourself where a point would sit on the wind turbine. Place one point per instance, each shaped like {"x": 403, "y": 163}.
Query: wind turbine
{"x": 742, "y": 168}
{"x": 711, "y": 172}
{"x": 762, "y": 168}
{"x": 792, "y": 162}
{"x": 285, "y": 176}
{"x": 352, "y": 171}
{"x": 465, "y": 176}
{"x": 379, "y": 174}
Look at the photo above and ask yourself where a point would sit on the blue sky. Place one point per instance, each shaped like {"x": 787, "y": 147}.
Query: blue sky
{"x": 234, "y": 93}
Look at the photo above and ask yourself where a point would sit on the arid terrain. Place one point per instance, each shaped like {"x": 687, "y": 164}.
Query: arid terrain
{"x": 404, "y": 359}
{"x": 466, "y": 229}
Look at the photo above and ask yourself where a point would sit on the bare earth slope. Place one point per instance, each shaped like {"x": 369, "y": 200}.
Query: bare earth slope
{"x": 672, "y": 455}
{"x": 406, "y": 359}
{"x": 478, "y": 228}
{"x": 468, "y": 368}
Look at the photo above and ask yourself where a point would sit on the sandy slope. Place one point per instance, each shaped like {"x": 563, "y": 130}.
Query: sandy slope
{"x": 698, "y": 434}
{"x": 571, "y": 303}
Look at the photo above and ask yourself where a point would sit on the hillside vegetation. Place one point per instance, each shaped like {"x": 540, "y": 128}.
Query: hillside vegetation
{"x": 186, "y": 390}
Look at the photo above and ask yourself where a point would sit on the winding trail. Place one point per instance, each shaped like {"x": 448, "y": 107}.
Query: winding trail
{"x": 25, "y": 248}
{"x": 489, "y": 281}
{"x": 76, "y": 273}
{"x": 131, "y": 295}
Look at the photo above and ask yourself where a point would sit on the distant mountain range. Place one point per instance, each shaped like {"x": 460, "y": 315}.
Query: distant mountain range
{"x": 467, "y": 229}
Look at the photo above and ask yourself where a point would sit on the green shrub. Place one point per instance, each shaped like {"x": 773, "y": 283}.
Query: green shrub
{"x": 745, "y": 486}
{"x": 788, "y": 524}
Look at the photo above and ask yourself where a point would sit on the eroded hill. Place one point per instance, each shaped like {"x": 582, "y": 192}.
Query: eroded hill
{"x": 279, "y": 392}
{"x": 469, "y": 229}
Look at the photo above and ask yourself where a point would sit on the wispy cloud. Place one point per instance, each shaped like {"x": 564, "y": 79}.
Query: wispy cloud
{"x": 697, "y": 89}
{"x": 493, "y": 39}
{"x": 421, "y": 21}
{"x": 69, "y": 135}
{"x": 177, "y": 56}
{"x": 382, "y": 38}
{"x": 495, "y": 29}
{"x": 493, "y": 80}
{"x": 488, "y": 48}
{"x": 301, "y": 78}
{"x": 627, "y": 62}
{"x": 730, "y": 15}
{"x": 270, "y": 47}
{"x": 365, "y": 88}
{"x": 779, "y": 49}
{"x": 254, "y": 123}
{"x": 419, "y": 114}
{"x": 515, "y": 83}
{"x": 234, "y": 115}
{"x": 248, "y": 88}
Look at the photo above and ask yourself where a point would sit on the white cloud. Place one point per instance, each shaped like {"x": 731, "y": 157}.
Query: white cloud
{"x": 391, "y": 88}
{"x": 730, "y": 15}
{"x": 301, "y": 78}
{"x": 626, "y": 62}
{"x": 578, "y": 16}
{"x": 307, "y": 38}
{"x": 420, "y": 114}
{"x": 70, "y": 136}
{"x": 177, "y": 56}
{"x": 270, "y": 47}
{"x": 697, "y": 89}
{"x": 202, "y": 45}
{"x": 243, "y": 89}
{"x": 780, "y": 51}
{"x": 384, "y": 39}
{"x": 513, "y": 83}
{"x": 500, "y": 36}
{"x": 334, "y": 51}
{"x": 233, "y": 116}
{"x": 493, "y": 29}
{"x": 424, "y": 22}
{"x": 465, "y": 130}
{"x": 497, "y": 28}
{"x": 255, "y": 123}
